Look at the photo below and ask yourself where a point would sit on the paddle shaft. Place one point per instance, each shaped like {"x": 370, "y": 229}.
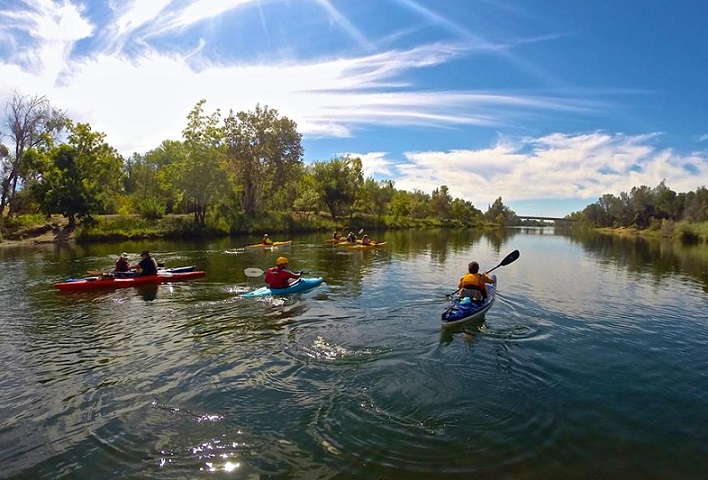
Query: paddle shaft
{"x": 512, "y": 257}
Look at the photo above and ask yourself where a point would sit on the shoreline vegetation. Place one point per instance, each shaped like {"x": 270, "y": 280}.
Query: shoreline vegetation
{"x": 35, "y": 229}
{"x": 244, "y": 174}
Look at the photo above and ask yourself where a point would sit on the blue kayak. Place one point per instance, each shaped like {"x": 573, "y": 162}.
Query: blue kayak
{"x": 298, "y": 286}
{"x": 464, "y": 310}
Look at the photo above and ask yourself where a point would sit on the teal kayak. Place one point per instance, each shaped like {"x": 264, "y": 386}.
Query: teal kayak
{"x": 298, "y": 286}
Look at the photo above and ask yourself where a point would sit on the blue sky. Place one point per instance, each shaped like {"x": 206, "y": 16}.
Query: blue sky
{"x": 548, "y": 104}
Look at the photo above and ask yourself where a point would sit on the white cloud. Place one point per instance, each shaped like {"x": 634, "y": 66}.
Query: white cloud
{"x": 581, "y": 166}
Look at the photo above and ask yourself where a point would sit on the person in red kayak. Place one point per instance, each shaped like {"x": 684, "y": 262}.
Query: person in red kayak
{"x": 472, "y": 284}
{"x": 147, "y": 264}
{"x": 121, "y": 264}
{"x": 279, "y": 276}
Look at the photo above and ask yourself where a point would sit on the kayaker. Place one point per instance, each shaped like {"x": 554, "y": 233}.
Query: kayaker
{"x": 351, "y": 237}
{"x": 147, "y": 264}
{"x": 278, "y": 276}
{"x": 472, "y": 284}
{"x": 365, "y": 240}
{"x": 121, "y": 264}
{"x": 266, "y": 240}
{"x": 336, "y": 235}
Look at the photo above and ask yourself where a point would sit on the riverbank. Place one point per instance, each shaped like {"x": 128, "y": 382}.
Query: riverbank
{"x": 55, "y": 230}
{"x": 36, "y": 229}
{"x": 682, "y": 231}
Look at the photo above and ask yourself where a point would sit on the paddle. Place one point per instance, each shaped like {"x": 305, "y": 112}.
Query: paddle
{"x": 512, "y": 257}
{"x": 254, "y": 272}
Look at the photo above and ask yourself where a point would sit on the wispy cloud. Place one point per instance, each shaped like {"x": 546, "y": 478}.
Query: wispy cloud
{"x": 562, "y": 166}
{"x": 135, "y": 69}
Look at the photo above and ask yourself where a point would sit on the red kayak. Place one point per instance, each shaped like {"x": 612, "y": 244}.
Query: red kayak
{"x": 92, "y": 283}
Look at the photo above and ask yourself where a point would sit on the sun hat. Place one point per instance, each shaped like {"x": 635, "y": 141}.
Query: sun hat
{"x": 123, "y": 255}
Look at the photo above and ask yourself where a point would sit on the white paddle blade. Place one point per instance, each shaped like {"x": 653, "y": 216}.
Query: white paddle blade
{"x": 252, "y": 272}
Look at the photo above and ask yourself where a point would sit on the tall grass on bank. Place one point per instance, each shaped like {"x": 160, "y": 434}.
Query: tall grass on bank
{"x": 692, "y": 232}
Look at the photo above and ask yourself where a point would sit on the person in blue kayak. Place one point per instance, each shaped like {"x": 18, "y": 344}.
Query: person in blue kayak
{"x": 279, "y": 276}
{"x": 146, "y": 265}
{"x": 473, "y": 283}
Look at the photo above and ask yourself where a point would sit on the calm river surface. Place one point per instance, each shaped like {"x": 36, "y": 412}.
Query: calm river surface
{"x": 593, "y": 363}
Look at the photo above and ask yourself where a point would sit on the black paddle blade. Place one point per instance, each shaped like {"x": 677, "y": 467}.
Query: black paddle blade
{"x": 507, "y": 260}
{"x": 510, "y": 258}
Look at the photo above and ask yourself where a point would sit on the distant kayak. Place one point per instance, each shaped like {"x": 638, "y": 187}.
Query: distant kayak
{"x": 93, "y": 283}
{"x": 361, "y": 246}
{"x": 298, "y": 286}
{"x": 464, "y": 310}
{"x": 263, "y": 246}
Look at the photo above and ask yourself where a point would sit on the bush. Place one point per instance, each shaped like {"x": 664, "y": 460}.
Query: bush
{"x": 151, "y": 208}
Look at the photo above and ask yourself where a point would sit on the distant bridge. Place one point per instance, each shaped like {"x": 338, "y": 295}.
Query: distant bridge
{"x": 545, "y": 219}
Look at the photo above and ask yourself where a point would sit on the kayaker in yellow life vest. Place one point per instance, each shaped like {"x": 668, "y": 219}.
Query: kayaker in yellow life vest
{"x": 472, "y": 284}
{"x": 266, "y": 240}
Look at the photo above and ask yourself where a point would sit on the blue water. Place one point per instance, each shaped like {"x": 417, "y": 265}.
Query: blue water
{"x": 592, "y": 363}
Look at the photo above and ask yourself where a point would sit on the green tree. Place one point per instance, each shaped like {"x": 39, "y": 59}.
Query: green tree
{"x": 32, "y": 122}
{"x": 441, "y": 202}
{"x": 148, "y": 178}
{"x": 500, "y": 213}
{"x": 264, "y": 152}
{"x": 464, "y": 211}
{"x": 200, "y": 173}
{"x": 308, "y": 197}
{"x": 420, "y": 204}
{"x": 339, "y": 181}
{"x": 80, "y": 177}
{"x": 401, "y": 204}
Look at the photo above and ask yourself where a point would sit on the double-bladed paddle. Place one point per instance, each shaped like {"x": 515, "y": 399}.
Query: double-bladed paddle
{"x": 512, "y": 257}
{"x": 254, "y": 272}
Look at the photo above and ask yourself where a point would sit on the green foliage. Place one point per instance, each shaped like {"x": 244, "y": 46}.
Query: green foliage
{"x": 338, "y": 181}
{"x": 264, "y": 154}
{"x": 654, "y": 209}
{"x": 151, "y": 208}
{"x": 500, "y": 213}
{"x": 692, "y": 232}
{"x": 201, "y": 173}
{"x": 80, "y": 177}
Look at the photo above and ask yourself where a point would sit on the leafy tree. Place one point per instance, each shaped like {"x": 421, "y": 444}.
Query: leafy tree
{"x": 500, "y": 213}
{"x": 696, "y": 205}
{"x": 441, "y": 202}
{"x": 32, "y": 122}
{"x": 339, "y": 181}
{"x": 464, "y": 211}
{"x": 420, "y": 204}
{"x": 401, "y": 204}
{"x": 263, "y": 152}
{"x": 148, "y": 178}
{"x": 667, "y": 203}
{"x": 374, "y": 197}
{"x": 200, "y": 174}
{"x": 308, "y": 197}
{"x": 80, "y": 177}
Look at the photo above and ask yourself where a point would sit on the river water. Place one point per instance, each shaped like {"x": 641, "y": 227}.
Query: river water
{"x": 593, "y": 363}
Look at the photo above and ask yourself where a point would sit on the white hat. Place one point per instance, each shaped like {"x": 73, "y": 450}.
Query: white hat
{"x": 124, "y": 255}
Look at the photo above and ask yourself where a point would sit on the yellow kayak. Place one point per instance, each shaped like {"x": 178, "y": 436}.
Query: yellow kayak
{"x": 264, "y": 246}
{"x": 367, "y": 247}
